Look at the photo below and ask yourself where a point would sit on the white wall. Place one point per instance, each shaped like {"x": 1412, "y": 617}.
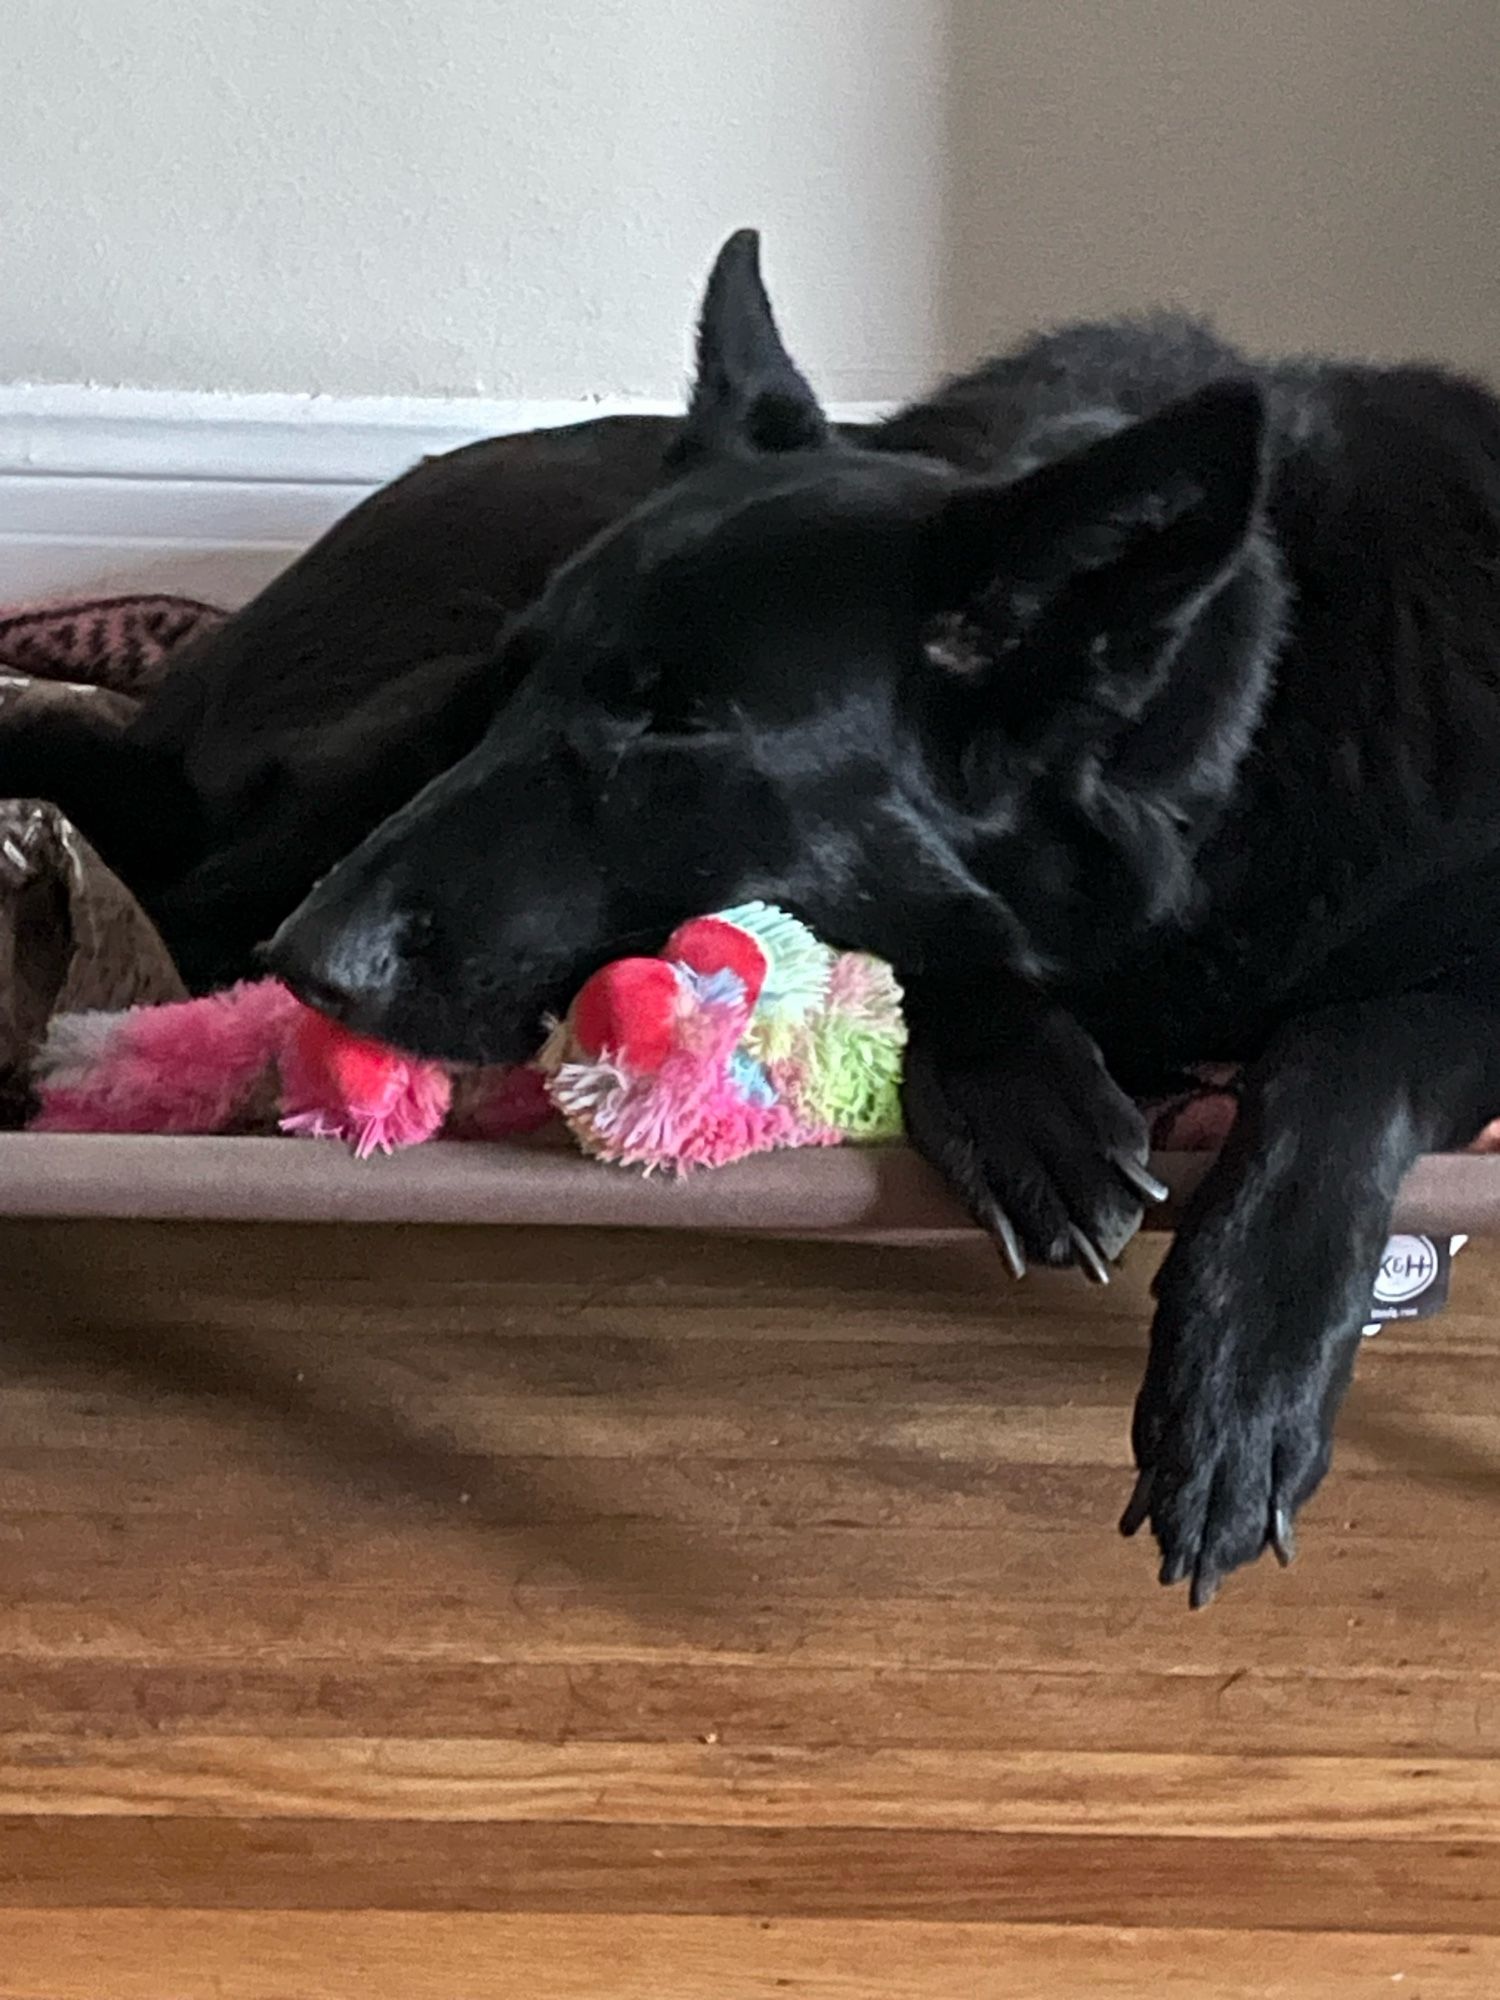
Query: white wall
{"x": 503, "y": 197}
{"x": 518, "y": 198}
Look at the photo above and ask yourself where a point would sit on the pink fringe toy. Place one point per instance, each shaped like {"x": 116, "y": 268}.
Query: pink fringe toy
{"x": 224, "y": 1064}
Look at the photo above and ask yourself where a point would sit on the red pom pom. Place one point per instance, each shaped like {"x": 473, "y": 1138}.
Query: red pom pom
{"x": 709, "y": 944}
{"x": 630, "y": 1009}
{"x": 339, "y": 1085}
{"x": 364, "y": 1073}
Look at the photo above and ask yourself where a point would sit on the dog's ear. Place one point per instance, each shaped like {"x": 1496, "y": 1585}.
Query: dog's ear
{"x": 749, "y": 395}
{"x": 1087, "y": 566}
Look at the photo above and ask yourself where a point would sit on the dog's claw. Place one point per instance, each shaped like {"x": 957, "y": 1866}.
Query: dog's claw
{"x": 1139, "y": 1176}
{"x": 1095, "y": 1269}
{"x": 1138, "y": 1507}
{"x": 1174, "y": 1569}
{"x": 1003, "y": 1230}
{"x": 1283, "y": 1537}
{"x": 1205, "y": 1588}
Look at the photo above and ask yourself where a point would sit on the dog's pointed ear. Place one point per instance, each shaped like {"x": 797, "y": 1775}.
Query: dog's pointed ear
{"x": 749, "y": 395}
{"x": 1100, "y": 554}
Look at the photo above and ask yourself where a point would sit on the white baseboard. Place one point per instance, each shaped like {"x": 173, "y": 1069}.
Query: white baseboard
{"x": 212, "y": 495}
{"x": 363, "y": 441}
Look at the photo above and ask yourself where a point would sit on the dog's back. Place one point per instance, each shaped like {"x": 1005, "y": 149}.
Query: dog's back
{"x": 420, "y": 575}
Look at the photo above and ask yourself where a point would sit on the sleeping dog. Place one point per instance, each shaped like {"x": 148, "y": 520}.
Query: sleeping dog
{"x": 1139, "y": 702}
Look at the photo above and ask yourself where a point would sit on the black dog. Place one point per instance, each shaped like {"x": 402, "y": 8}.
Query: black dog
{"x": 1140, "y": 703}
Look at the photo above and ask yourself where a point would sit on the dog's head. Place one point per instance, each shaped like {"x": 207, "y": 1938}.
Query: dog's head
{"x": 922, "y": 710}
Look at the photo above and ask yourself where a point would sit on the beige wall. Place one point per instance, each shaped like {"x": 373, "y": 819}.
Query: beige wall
{"x": 1319, "y": 173}
{"x": 517, "y": 197}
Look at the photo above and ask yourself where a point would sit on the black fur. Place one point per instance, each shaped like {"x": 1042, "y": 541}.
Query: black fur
{"x": 282, "y": 739}
{"x": 1140, "y": 702}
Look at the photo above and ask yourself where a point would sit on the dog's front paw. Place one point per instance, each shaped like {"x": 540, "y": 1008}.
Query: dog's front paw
{"x": 1234, "y": 1423}
{"x": 1036, "y": 1138}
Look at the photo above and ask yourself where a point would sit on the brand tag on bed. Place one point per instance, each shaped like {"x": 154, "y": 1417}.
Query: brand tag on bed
{"x": 1412, "y": 1282}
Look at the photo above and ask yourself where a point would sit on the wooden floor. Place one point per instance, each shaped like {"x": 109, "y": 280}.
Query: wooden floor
{"x": 432, "y": 1616}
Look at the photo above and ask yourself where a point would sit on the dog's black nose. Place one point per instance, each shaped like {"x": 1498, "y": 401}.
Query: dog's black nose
{"x": 348, "y": 967}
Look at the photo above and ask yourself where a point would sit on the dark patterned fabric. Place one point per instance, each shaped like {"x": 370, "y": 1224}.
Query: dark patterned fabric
{"x": 118, "y": 643}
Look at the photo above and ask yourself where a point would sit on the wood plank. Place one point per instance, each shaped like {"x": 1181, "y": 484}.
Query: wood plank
{"x": 473, "y": 1778}
{"x": 370, "y": 1955}
{"x": 563, "y": 1594}
{"x": 991, "y": 1393}
{"x": 1384, "y": 1712}
{"x": 447, "y": 1275}
{"x": 263, "y": 1477}
{"x": 436, "y": 1282}
{"x": 1419, "y": 1888}
{"x": 84, "y": 1558}
{"x": 553, "y": 1614}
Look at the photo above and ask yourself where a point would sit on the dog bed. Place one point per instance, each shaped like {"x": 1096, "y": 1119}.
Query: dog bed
{"x": 72, "y": 937}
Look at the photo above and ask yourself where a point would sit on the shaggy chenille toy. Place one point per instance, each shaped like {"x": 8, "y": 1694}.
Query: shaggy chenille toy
{"x": 746, "y": 1034}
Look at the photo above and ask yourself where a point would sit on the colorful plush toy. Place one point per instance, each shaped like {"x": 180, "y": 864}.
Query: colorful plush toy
{"x": 746, "y": 1034}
